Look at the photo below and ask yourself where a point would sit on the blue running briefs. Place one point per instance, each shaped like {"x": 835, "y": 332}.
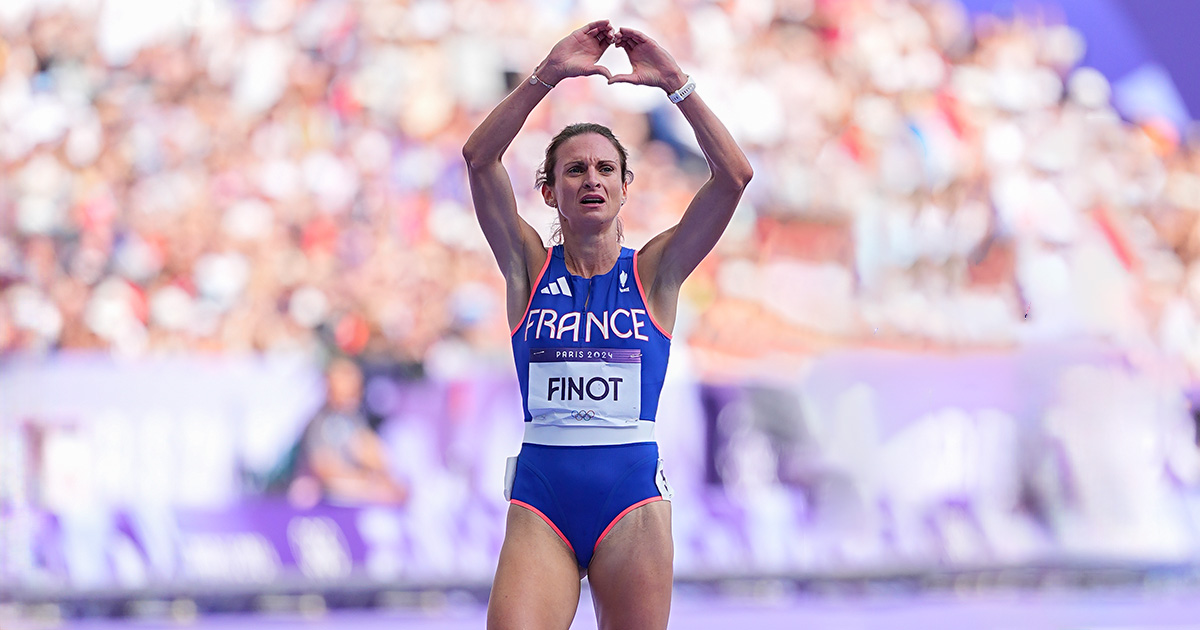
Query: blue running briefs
{"x": 582, "y": 491}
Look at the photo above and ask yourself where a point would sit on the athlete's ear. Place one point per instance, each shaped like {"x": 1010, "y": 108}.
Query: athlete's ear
{"x": 548, "y": 196}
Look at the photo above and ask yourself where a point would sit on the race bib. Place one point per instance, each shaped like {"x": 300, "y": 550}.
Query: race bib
{"x": 585, "y": 386}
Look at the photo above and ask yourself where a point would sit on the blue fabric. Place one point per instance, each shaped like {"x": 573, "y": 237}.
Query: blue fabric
{"x": 581, "y": 489}
{"x": 601, "y": 295}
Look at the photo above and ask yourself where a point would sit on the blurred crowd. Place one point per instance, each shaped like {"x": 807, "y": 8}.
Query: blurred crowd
{"x": 279, "y": 175}
{"x": 251, "y": 177}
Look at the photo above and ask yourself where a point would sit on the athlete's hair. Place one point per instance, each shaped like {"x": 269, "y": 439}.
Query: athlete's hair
{"x": 545, "y": 173}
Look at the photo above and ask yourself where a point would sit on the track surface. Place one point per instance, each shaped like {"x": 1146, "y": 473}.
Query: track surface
{"x": 1108, "y": 610}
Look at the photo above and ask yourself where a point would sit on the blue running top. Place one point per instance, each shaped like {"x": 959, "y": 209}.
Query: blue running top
{"x": 588, "y": 352}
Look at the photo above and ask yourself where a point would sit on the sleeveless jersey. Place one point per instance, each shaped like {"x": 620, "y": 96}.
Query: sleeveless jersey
{"x": 588, "y": 353}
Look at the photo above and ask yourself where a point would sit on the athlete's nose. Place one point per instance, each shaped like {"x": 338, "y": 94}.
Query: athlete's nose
{"x": 592, "y": 180}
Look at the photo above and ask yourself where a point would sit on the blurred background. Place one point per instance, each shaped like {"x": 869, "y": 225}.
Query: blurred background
{"x": 939, "y": 372}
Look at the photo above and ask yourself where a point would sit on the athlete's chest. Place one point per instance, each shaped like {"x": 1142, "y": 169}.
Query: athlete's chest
{"x": 602, "y": 309}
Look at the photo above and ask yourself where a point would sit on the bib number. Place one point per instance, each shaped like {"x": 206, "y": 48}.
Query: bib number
{"x": 585, "y": 386}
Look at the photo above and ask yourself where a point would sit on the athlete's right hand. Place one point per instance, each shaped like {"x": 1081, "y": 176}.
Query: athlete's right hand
{"x": 576, "y": 54}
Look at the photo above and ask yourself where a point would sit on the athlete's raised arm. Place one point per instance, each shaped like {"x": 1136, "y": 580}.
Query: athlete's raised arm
{"x": 670, "y": 257}
{"x": 517, "y": 246}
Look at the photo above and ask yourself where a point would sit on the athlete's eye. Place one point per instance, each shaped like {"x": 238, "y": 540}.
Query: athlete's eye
{"x": 607, "y": 168}
{"x": 575, "y": 169}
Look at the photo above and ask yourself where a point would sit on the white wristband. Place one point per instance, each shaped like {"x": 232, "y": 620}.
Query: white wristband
{"x": 683, "y": 92}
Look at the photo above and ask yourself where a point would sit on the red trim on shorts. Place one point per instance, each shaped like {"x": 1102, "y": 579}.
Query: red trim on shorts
{"x": 533, "y": 291}
{"x": 548, "y": 521}
{"x": 637, "y": 277}
{"x": 620, "y": 516}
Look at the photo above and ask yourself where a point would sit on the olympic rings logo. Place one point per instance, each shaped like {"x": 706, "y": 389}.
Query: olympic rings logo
{"x": 583, "y": 415}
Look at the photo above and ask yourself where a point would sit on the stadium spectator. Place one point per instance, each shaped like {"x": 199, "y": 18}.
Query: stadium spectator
{"x": 340, "y": 458}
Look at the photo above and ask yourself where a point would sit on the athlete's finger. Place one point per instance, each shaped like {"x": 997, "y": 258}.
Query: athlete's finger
{"x": 624, "y": 78}
{"x": 598, "y": 24}
{"x": 636, "y": 36}
{"x": 600, "y": 70}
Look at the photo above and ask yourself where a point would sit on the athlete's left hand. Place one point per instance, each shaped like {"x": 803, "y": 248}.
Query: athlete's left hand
{"x": 651, "y": 63}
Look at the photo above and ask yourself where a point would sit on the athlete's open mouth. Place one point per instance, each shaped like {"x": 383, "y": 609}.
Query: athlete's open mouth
{"x": 592, "y": 200}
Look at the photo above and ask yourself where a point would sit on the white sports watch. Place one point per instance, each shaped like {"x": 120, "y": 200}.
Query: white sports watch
{"x": 683, "y": 92}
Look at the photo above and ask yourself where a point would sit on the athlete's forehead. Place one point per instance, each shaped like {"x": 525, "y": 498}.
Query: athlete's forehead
{"x": 587, "y": 148}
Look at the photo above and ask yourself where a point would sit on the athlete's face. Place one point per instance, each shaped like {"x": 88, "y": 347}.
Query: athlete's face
{"x": 588, "y": 187}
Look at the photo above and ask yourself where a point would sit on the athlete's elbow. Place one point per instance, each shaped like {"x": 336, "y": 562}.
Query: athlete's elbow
{"x": 744, "y": 175}
{"x": 477, "y": 154}
{"x": 739, "y": 175}
{"x": 471, "y": 154}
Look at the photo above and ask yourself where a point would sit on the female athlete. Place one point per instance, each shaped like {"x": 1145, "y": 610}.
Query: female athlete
{"x": 591, "y": 328}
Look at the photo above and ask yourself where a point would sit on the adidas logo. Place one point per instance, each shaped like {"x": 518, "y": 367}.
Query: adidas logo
{"x": 558, "y": 286}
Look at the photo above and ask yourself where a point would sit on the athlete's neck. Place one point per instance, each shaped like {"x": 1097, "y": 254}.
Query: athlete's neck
{"x": 587, "y": 257}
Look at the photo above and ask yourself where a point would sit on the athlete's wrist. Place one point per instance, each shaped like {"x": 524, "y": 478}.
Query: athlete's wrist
{"x": 678, "y": 95}
{"x": 674, "y": 81}
{"x": 547, "y": 74}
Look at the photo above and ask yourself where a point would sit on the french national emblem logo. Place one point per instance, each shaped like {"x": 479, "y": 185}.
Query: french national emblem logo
{"x": 560, "y": 286}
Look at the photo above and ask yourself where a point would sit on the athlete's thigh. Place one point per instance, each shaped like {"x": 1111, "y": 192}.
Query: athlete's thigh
{"x": 631, "y": 573}
{"x": 537, "y": 578}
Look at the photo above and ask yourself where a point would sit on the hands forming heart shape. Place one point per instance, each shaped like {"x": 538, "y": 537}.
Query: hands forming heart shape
{"x": 576, "y": 55}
